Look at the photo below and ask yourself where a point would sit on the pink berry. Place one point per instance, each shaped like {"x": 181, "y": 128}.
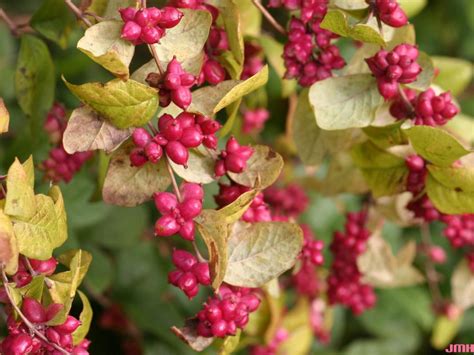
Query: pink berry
{"x": 183, "y": 260}
{"x": 170, "y": 17}
{"x": 166, "y": 226}
{"x": 44, "y": 267}
{"x": 182, "y": 97}
{"x": 33, "y": 310}
{"x": 141, "y": 137}
{"x": 165, "y": 202}
{"x": 192, "y": 191}
{"x": 191, "y": 137}
{"x": 131, "y": 31}
{"x": 190, "y": 208}
{"x": 153, "y": 152}
{"x": 128, "y": 13}
{"x": 187, "y": 230}
{"x": 177, "y": 152}
{"x": 69, "y": 326}
{"x": 213, "y": 72}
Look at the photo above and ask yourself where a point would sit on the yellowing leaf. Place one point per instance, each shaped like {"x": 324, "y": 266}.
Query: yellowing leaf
{"x": 263, "y": 168}
{"x": 298, "y": 325}
{"x": 189, "y": 335}
{"x": 211, "y": 99}
{"x": 39, "y": 234}
{"x": 56, "y": 195}
{"x": 312, "y": 142}
{"x": 446, "y": 150}
{"x": 104, "y": 45}
{"x": 126, "y": 185}
{"x": 444, "y": 331}
{"x": 462, "y": 286}
{"x": 124, "y": 103}
{"x": 85, "y": 318}
{"x": 336, "y": 21}
{"x": 250, "y": 18}
{"x": 187, "y": 39}
{"x": 4, "y": 117}
{"x": 380, "y": 268}
{"x": 260, "y": 252}
{"x": 34, "y": 289}
{"x": 233, "y": 211}
{"x": 8, "y": 245}
{"x": 86, "y": 131}
{"x": 20, "y": 200}
{"x": 345, "y": 102}
{"x": 412, "y": 7}
{"x": 213, "y": 230}
{"x": 384, "y": 172}
{"x": 451, "y": 189}
{"x": 200, "y": 168}
{"x": 386, "y": 136}
{"x": 230, "y": 344}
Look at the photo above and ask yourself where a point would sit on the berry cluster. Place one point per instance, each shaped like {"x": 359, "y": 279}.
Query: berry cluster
{"x": 290, "y": 200}
{"x": 41, "y": 267}
{"x": 389, "y": 12}
{"x": 20, "y": 340}
{"x": 426, "y": 108}
{"x": 306, "y": 280}
{"x": 253, "y": 60}
{"x": 234, "y": 158}
{"x": 271, "y": 349}
{"x": 420, "y": 205}
{"x": 221, "y": 316}
{"x": 178, "y": 216}
{"x": 344, "y": 282}
{"x": 459, "y": 229}
{"x": 254, "y": 120}
{"x": 189, "y": 273}
{"x": 309, "y": 55}
{"x": 392, "y": 68}
{"x": 175, "y": 86}
{"x": 258, "y": 211}
{"x": 175, "y": 137}
{"x": 148, "y": 25}
{"x": 60, "y": 165}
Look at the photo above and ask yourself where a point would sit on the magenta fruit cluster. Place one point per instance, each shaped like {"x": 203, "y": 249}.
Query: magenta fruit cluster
{"x": 254, "y": 120}
{"x": 222, "y": 315}
{"x": 176, "y": 86}
{"x": 389, "y": 12}
{"x": 189, "y": 273}
{"x": 344, "y": 282}
{"x": 234, "y": 158}
{"x": 148, "y": 25}
{"x": 398, "y": 66}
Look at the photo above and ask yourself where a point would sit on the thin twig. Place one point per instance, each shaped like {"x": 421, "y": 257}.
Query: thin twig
{"x": 290, "y": 115}
{"x": 173, "y": 180}
{"x": 25, "y": 320}
{"x": 78, "y": 12}
{"x": 405, "y": 100}
{"x": 156, "y": 58}
{"x": 269, "y": 17}
{"x": 29, "y": 267}
{"x": 431, "y": 274}
{"x": 11, "y": 25}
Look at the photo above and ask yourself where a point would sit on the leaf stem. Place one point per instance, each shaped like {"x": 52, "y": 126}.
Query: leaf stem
{"x": 78, "y": 12}
{"x": 9, "y": 22}
{"x": 430, "y": 271}
{"x": 405, "y": 100}
{"x": 173, "y": 180}
{"x": 25, "y": 320}
{"x": 269, "y": 17}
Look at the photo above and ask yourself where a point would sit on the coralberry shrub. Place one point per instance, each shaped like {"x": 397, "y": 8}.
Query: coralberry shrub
{"x": 266, "y": 171}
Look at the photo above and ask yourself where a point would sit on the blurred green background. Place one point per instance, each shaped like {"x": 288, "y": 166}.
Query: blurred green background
{"x": 130, "y": 268}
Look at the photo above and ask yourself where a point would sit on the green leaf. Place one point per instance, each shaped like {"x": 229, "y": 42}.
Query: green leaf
{"x": 211, "y": 99}
{"x": 345, "y": 102}
{"x": 462, "y": 286}
{"x": 8, "y": 245}
{"x": 263, "y": 168}
{"x": 384, "y": 172}
{"x": 85, "y": 318}
{"x": 34, "y": 289}
{"x": 54, "y": 21}
{"x": 380, "y": 268}
{"x": 20, "y": 200}
{"x": 126, "y": 185}
{"x": 336, "y": 21}
{"x": 34, "y": 77}
{"x": 101, "y": 272}
{"x": 386, "y": 136}
{"x": 200, "y": 167}
{"x": 444, "y": 331}
{"x": 454, "y": 74}
{"x": 250, "y": 18}
{"x": 412, "y": 7}
{"x": 104, "y": 45}
{"x": 230, "y": 17}
{"x": 313, "y": 143}
{"x": 61, "y": 217}
{"x": 188, "y": 334}
{"x": 351, "y": 4}
{"x": 451, "y": 189}
{"x": 230, "y": 343}
{"x": 214, "y": 232}
{"x": 233, "y": 211}
{"x": 273, "y": 53}
{"x": 124, "y": 103}
{"x": 446, "y": 150}
{"x": 87, "y": 131}
{"x": 463, "y": 128}
{"x": 4, "y": 117}
{"x": 426, "y": 76}
{"x": 259, "y": 252}
{"x": 39, "y": 234}
{"x": 186, "y": 40}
